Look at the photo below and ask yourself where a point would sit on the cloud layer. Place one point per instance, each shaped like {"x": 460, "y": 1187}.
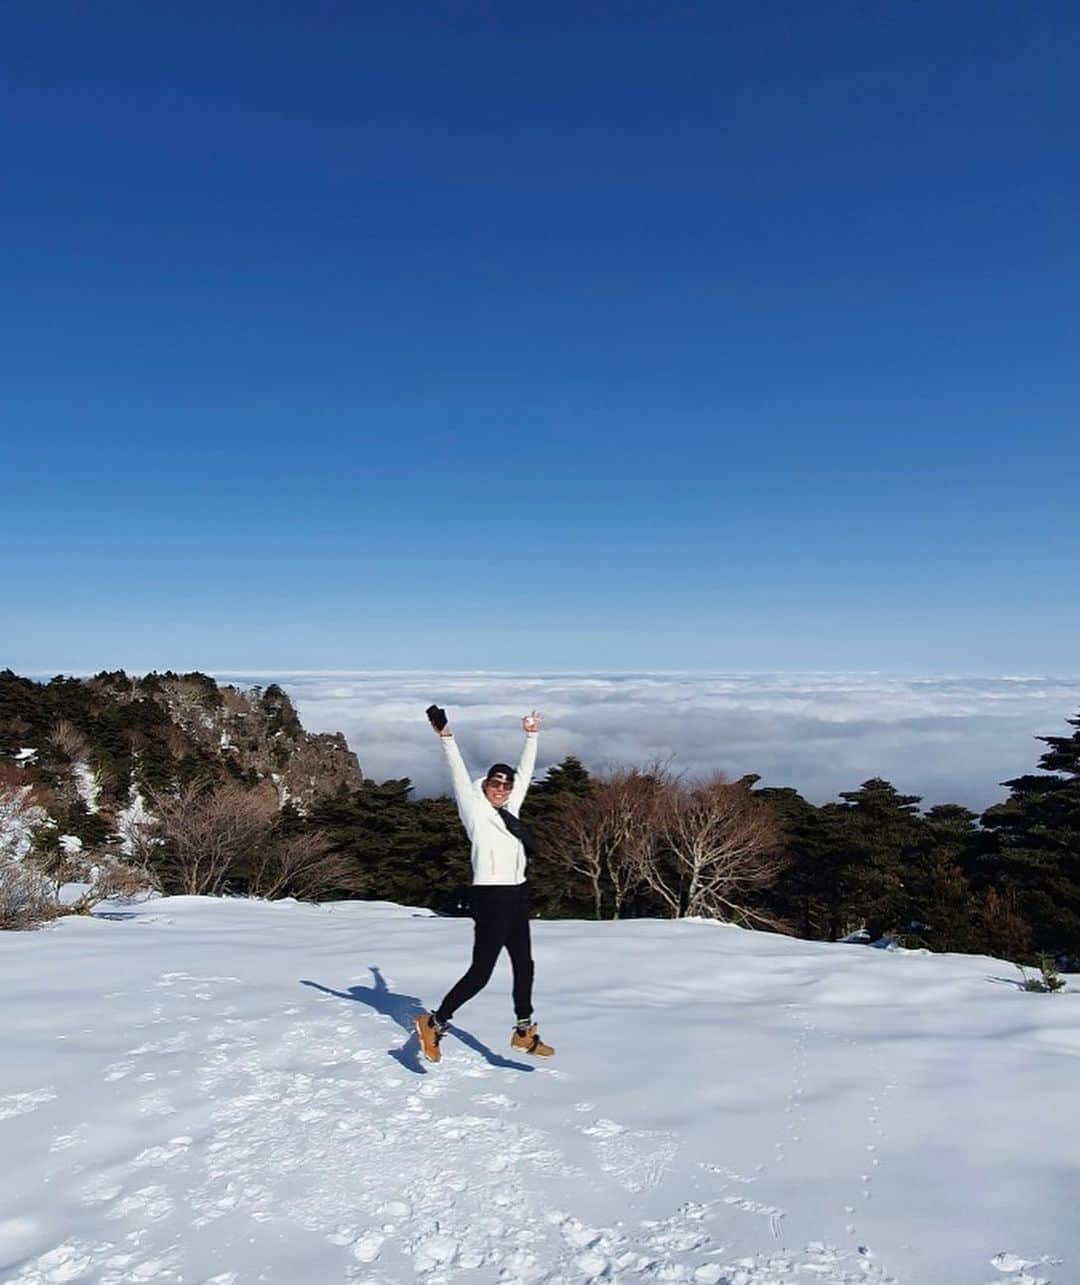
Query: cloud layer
{"x": 948, "y": 739}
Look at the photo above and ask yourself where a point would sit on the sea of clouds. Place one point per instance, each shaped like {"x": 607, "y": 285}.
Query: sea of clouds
{"x": 948, "y": 739}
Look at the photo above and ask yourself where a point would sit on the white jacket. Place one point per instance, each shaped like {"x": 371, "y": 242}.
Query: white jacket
{"x": 497, "y": 857}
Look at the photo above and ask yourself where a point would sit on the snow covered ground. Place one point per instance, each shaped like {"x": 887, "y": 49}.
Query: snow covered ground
{"x": 231, "y": 1092}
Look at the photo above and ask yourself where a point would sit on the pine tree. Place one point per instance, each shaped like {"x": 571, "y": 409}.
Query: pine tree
{"x": 940, "y": 905}
{"x": 413, "y": 852}
{"x": 1037, "y": 847}
{"x": 800, "y": 896}
{"x": 875, "y": 837}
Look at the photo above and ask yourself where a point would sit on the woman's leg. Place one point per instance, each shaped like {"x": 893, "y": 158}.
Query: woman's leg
{"x": 519, "y": 948}
{"x": 490, "y": 928}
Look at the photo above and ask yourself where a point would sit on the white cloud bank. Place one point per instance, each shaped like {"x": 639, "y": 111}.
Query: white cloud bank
{"x": 948, "y": 739}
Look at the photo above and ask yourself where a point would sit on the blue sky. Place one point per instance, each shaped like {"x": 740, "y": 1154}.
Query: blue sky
{"x": 535, "y": 338}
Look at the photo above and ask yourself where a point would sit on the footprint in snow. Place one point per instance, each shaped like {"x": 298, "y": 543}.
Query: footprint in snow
{"x": 368, "y": 1246}
{"x": 499, "y": 1100}
{"x": 13, "y": 1104}
{"x": 150, "y": 1202}
{"x": 63, "y": 1141}
{"x": 434, "y": 1252}
{"x": 99, "y": 1190}
{"x": 156, "y": 1156}
{"x": 1005, "y": 1262}
{"x": 636, "y": 1159}
{"x": 66, "y": 1262}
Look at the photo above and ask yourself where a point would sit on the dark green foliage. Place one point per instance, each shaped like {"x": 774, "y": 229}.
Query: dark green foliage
{"x": 1048, "y": 981}
{"x": 279, "y": 710}
{"x": 29, "y": 710}
{"x": 874, "y": 863}
{"x": 120, "y": 732}
{"x": 568, "y": 777}
{"x": 90, "y": 827}
{"x": 876, "y": 837}
{"x": 413, "y": 852}
{"x": 805, "y": 895}
{"x": 940, "y": 911}
{"x": 1036, "y": 847}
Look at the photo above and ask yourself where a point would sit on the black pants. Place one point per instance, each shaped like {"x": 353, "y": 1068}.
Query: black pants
{"x": 501, "y": 917}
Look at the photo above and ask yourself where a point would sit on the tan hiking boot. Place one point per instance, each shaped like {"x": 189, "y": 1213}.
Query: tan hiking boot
{"x": 528, "y": 1040}
{"x": 430, "y": 1035}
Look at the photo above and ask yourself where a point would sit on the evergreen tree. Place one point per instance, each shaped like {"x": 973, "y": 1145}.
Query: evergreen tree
{"x": 872, "y": 838}
{"x": 281, "y": 717}
{"x": 940, "y": 902}
{"x": 800, "y": 896}
{"x": 1036, "y": 852}
{"x": 411, "y": 852}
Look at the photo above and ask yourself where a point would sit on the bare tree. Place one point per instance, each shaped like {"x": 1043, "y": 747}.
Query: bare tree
{"x": 67, "y": 738}
{"x": 718, "y": 846}
{"x": 604, "y": 836}
{"x": 302, "y": 865}
{"x": 576, "y": 839}
{"x": 206, "y": 833}
{"x": 639, "y": 806}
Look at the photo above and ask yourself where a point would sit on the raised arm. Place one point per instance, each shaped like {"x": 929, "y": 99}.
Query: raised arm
{"x": 526, "y": 764}
{"x": 459, "y": 777}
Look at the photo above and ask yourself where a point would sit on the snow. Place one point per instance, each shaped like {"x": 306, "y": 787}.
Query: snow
{"x": 19, "y": 818}
{"x": 86, "y": 784}
{"x": 132, "y": 822}
{"x": 230, "y": 1091}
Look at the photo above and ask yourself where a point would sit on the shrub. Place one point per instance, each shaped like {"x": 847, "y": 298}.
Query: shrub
{"x": 1049, "y": 979}
{"x": 26, "y": 896}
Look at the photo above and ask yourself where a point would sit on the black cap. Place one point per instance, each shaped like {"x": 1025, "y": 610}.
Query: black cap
{"x": 501, "y": 769}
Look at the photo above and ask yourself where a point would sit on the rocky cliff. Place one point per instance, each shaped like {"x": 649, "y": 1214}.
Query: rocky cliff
{"x": 96, "y": 748}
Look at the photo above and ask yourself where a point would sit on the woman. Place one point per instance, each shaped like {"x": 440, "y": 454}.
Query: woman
{"x": 489, "y": 808}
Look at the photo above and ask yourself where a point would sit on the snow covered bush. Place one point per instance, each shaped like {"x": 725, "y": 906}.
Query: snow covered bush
{"x": 21, "y": 816}
{"x": 26, "y": 895}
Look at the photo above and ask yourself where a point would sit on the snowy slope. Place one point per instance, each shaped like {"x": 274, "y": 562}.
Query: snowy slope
{"x": 230, "y": 1091}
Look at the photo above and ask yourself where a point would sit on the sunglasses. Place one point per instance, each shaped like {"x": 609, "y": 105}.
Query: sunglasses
{"x": 498, "y": 783}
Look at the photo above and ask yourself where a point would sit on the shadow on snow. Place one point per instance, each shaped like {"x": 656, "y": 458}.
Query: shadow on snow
{"x": 404, "y": 1009}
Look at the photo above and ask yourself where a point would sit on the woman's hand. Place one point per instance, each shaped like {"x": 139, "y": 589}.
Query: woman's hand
{"x": 531, "y": 722}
